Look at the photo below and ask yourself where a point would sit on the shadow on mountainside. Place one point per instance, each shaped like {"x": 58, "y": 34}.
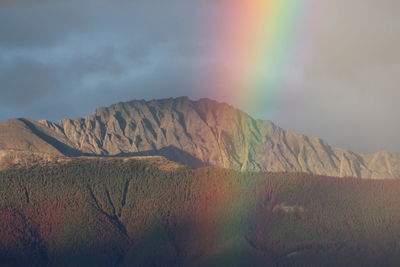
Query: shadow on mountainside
{"x": 171, "y": 153}
{"x": 63, "y": 148}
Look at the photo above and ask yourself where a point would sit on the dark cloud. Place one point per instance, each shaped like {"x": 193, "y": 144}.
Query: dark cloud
{"x": 23, "y": 81}
{"x": 65, "y": 58}
{"x": 38, "y": 24}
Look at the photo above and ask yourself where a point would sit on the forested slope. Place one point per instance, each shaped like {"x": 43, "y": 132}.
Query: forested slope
{"x": 130, "y": 213}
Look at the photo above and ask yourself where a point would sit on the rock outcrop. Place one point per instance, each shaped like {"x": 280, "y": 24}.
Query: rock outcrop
{"x": 197, "y": 133}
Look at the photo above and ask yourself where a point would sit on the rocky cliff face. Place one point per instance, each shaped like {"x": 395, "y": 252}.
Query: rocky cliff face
{"x": 206, "y": 132}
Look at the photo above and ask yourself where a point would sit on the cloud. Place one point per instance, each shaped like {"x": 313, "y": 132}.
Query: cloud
{"x": 38, "y": 24}
{"x": 65, "y": 58}
{"x": 24, "y": 81}
{"x": 347, "y": 89}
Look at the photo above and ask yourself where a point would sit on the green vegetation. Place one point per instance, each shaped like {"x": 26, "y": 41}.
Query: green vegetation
{"x": 130, "y": 213}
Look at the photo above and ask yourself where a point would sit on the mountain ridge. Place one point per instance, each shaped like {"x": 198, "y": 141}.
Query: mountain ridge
{"x": 197, "y": 133}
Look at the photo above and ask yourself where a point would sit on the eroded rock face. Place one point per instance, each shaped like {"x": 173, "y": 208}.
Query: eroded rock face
{"x": 206, "y": 132}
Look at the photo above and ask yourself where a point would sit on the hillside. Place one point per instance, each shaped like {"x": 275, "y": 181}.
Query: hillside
{"x": 93, "y": 212}
{"x": 195, "y": 133}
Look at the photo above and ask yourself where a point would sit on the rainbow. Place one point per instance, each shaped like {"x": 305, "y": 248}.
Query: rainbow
{"x": 256, "y": 40}
{"x": 255, "y": 45}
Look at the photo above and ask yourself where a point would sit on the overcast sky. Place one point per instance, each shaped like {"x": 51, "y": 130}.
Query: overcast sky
{"x": 64, "y": 58}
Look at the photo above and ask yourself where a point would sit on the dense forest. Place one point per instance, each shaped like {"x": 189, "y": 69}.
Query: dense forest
{"x": 95, "y": 212}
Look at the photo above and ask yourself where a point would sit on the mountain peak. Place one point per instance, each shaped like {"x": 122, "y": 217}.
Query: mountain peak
{"x": 196, "y": 133}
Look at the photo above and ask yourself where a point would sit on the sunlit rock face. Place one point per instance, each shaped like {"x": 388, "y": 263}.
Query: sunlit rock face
{"x": 200, "y": 133}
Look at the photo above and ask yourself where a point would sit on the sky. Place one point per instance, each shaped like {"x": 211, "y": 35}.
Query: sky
{"x": 65, "y": 58}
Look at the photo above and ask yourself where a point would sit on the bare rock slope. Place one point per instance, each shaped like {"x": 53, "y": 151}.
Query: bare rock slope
{"x": 196, "y": 133}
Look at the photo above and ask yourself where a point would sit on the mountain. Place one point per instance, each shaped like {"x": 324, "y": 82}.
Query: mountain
{"x": 196, "y": 133}
{"x": 129, "y": 212}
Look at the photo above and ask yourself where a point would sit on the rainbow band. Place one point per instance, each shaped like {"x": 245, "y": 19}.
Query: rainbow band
{"x": 255, "y": 41}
